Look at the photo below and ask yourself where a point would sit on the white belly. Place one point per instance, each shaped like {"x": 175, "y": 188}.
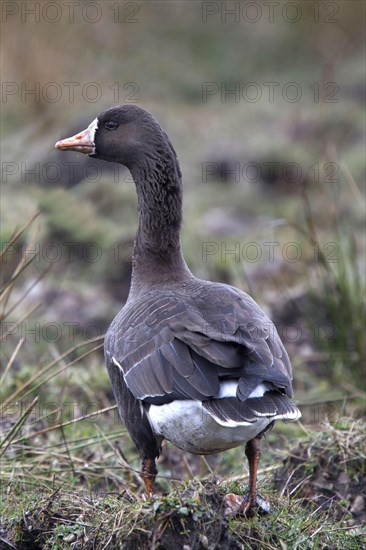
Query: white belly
{"x": 188, "y": 425}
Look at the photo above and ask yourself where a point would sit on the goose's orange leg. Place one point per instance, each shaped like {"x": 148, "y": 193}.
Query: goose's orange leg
{"x": 251, "y": 500}
{"x": 149, "y": 472}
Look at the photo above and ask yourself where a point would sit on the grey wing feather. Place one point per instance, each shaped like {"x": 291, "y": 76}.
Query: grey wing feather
{"x": 177, "y": 354}
{"x": 179, "y": 348}
{"x": 271, "y": 405}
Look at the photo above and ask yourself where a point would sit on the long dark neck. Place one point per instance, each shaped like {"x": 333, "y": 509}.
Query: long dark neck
{"x": 157, "y": 255}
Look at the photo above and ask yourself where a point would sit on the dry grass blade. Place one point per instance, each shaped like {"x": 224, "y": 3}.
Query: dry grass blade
{"x": 21, "y": 391}
{"x": 63, "y": 424}
{"x": 25, "y": 294}
{"x": 4, "y": 444}
{"x": 7, "y": 544}
{"x": 63, "y": 369}
{"x": 360, "y": 199}
{"x": 16, "y": 235}
{"x": 7, "y": 333}
{"x": 11, "y": 360}
{"x": 6, "y": 289}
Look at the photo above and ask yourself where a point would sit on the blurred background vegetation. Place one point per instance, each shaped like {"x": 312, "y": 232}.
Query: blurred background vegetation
{"x": 265, "y": 107}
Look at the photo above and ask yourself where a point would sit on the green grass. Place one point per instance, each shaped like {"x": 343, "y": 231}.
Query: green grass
{"x": 304, "y": 513}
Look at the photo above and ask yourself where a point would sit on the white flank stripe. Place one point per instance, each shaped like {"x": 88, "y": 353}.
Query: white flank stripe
{"x": 260, "y": 390}
{"x": 117, "y": 364}
{"x": 228, "y": 389}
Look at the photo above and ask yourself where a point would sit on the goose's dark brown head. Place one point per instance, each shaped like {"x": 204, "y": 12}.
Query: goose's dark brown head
{"x": 131, "y": 136}
{"x": 125, "y": 134}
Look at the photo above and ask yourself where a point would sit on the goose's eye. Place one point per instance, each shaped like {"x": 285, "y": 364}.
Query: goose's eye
{"x": 111, "y": 125}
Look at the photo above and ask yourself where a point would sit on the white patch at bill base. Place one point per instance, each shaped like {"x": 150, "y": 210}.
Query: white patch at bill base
{"x": 92, "y": 128}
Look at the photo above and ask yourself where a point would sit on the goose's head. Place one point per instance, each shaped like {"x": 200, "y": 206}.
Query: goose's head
{"x": 126, "y": 134}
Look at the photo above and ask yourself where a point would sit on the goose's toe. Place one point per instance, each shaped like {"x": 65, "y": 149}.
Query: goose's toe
{"x": 235, "y": 505}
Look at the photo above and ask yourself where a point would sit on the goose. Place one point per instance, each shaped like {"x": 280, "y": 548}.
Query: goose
{"x": 195, "y": 362}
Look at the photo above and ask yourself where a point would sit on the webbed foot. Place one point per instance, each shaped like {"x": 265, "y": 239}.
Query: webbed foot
{"x": 237, "y": 505}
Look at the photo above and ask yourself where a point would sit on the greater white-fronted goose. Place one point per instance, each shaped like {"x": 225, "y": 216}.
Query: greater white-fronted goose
{"x": 195, "y": 362}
